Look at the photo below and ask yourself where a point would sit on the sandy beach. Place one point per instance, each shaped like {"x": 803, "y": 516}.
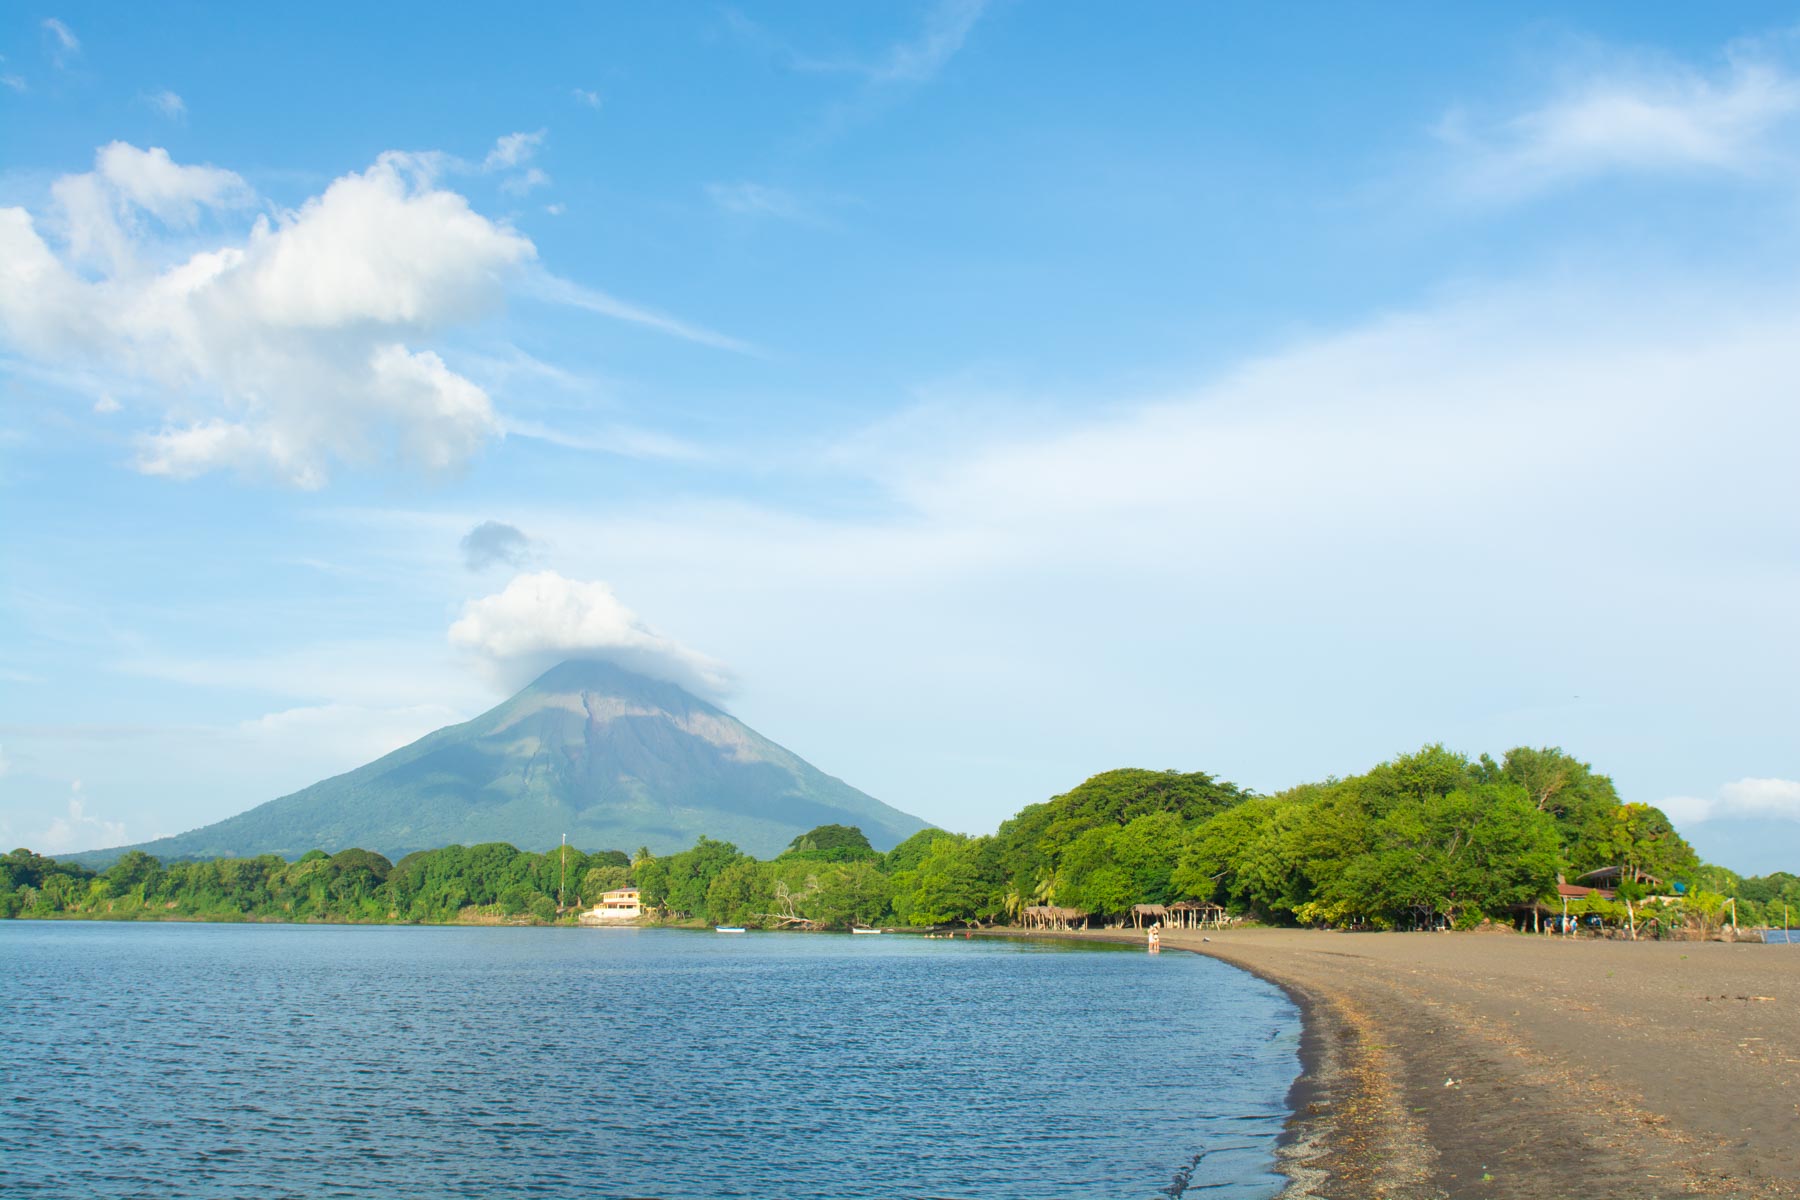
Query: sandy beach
{"x": 1505, "y": 1065}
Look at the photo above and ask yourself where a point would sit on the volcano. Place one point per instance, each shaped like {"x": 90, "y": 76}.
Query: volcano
{"x": 613, "y": 759}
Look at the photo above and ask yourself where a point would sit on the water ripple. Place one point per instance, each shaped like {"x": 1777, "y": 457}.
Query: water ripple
{"x": 255, "y": 1061}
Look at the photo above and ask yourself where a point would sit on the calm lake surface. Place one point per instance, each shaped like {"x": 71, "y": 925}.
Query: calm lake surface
{"x": 162, "y": 1060}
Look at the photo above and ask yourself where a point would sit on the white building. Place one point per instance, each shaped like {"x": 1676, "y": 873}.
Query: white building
{"x": 620, "y": 905}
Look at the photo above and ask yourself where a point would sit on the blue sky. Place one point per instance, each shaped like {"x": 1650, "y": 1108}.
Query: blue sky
{"x": 970, "y": 396}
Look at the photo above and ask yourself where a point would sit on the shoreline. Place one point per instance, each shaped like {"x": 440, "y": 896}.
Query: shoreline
{"x": 1509, "y": 1065}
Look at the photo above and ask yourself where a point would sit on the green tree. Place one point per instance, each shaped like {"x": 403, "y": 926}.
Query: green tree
{"x": 691, "y": 874}
{"x": 739, "y": 894}
{"x": 832, "y": 843}
{"x": 854, "y": 893}
{"x": 1641, "y": 838}
{"x": 597, "y": 881}
{"x": 957, "y": 880}
{"x": 910, "y": 853}
{"x": 1473, "y": 851}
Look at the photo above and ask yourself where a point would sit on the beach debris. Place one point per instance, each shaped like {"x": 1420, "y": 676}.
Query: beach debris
{"x": 1448, "y": 1082}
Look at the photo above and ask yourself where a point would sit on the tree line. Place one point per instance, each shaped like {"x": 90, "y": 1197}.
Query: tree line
{"x": 1428, "y": 838}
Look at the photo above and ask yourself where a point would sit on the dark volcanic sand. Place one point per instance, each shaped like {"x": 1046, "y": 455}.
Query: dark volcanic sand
{"x": 1510, "y": 1065}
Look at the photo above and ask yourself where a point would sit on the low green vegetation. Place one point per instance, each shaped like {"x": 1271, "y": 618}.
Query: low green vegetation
{"x": 1427, "y": 838}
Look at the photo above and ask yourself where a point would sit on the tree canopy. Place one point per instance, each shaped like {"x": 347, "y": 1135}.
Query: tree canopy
{"x": 1426, "y": 837}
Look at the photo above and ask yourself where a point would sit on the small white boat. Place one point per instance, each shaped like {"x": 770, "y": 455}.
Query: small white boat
{"x": 728, "y": 929}
{"x": 862, "y": 929}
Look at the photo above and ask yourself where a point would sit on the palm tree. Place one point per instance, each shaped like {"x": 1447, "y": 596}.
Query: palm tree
{"x": 1013, "y": 901}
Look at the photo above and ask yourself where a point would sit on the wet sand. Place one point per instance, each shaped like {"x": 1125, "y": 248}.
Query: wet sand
{"x": 1509, "y": 1065}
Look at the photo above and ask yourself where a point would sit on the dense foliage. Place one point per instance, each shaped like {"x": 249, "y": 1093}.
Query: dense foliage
{"x": 1426, "y": 838}
{"x": 456, "y": 882}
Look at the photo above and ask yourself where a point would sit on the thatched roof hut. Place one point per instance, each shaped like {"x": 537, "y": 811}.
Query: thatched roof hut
{"x": 1049, "y": 916}
{"x": 1147, "y": 912}
{"x": 1196, "y": 914}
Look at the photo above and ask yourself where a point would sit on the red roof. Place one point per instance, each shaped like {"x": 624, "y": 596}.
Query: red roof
{"x": 1570, "y": 891}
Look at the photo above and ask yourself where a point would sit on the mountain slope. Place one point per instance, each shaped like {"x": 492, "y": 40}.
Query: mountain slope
{"x": 611, "y": 758}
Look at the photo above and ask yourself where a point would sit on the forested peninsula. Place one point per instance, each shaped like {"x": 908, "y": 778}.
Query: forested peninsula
{"x": 1426, "y": 839}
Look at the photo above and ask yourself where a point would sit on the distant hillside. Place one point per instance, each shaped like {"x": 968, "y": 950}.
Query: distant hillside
{"x": 611, "y": 758}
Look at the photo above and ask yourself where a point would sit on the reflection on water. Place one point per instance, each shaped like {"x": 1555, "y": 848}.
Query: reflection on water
{"x": 219, "y": 1060}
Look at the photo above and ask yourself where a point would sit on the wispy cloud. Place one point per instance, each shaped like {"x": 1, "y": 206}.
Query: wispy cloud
{"x": 914, "y": 60}
{"x": 621, "y": 440}
{"x": 64, "y": 45}
{"x": 556, "y": 290}
{"x": 746, "y": 199}
{"x": 374, "y": 673}
{"x": 1324, "y": 507}
{"x": 513, "y": 149}
{"x": 525, "y": 182}
{"x": 168, "y": 104}
{"x": 1660, "y": 118}
{"x": 583, "y": 96}
{"x": 511, "y": 156}
{"x": 946, "y": 29}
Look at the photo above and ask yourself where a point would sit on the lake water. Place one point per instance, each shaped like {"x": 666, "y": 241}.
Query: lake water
{"x": 161, "y": 1060}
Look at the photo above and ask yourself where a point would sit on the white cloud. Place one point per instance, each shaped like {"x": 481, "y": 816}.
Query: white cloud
{"x": 1751, "y": 798}
{"x": 76, "y": 830}
{"x": 282, "y": 352}
{"x": 525, "y": 182}
{"x": 556, "y": 290}
{"x": 5, "y": 765}
{"x": 584, "y": 96}
{"x": 106, "y": 405}
{"x": 285, "y": 350}
{"x": 511, "y": 153}
{"x": 622, "y": 440}
{"x": 542, "y": 619}
{"x": 1659, "y": 119}
{"x": 168, "y": 104}
{"x": 63, "y": 42}
{"x": 514, "y": 149}
{"x": 104, "y": 214}
{"x": 15, "y": 82}
{"x": 385, "y": 247}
